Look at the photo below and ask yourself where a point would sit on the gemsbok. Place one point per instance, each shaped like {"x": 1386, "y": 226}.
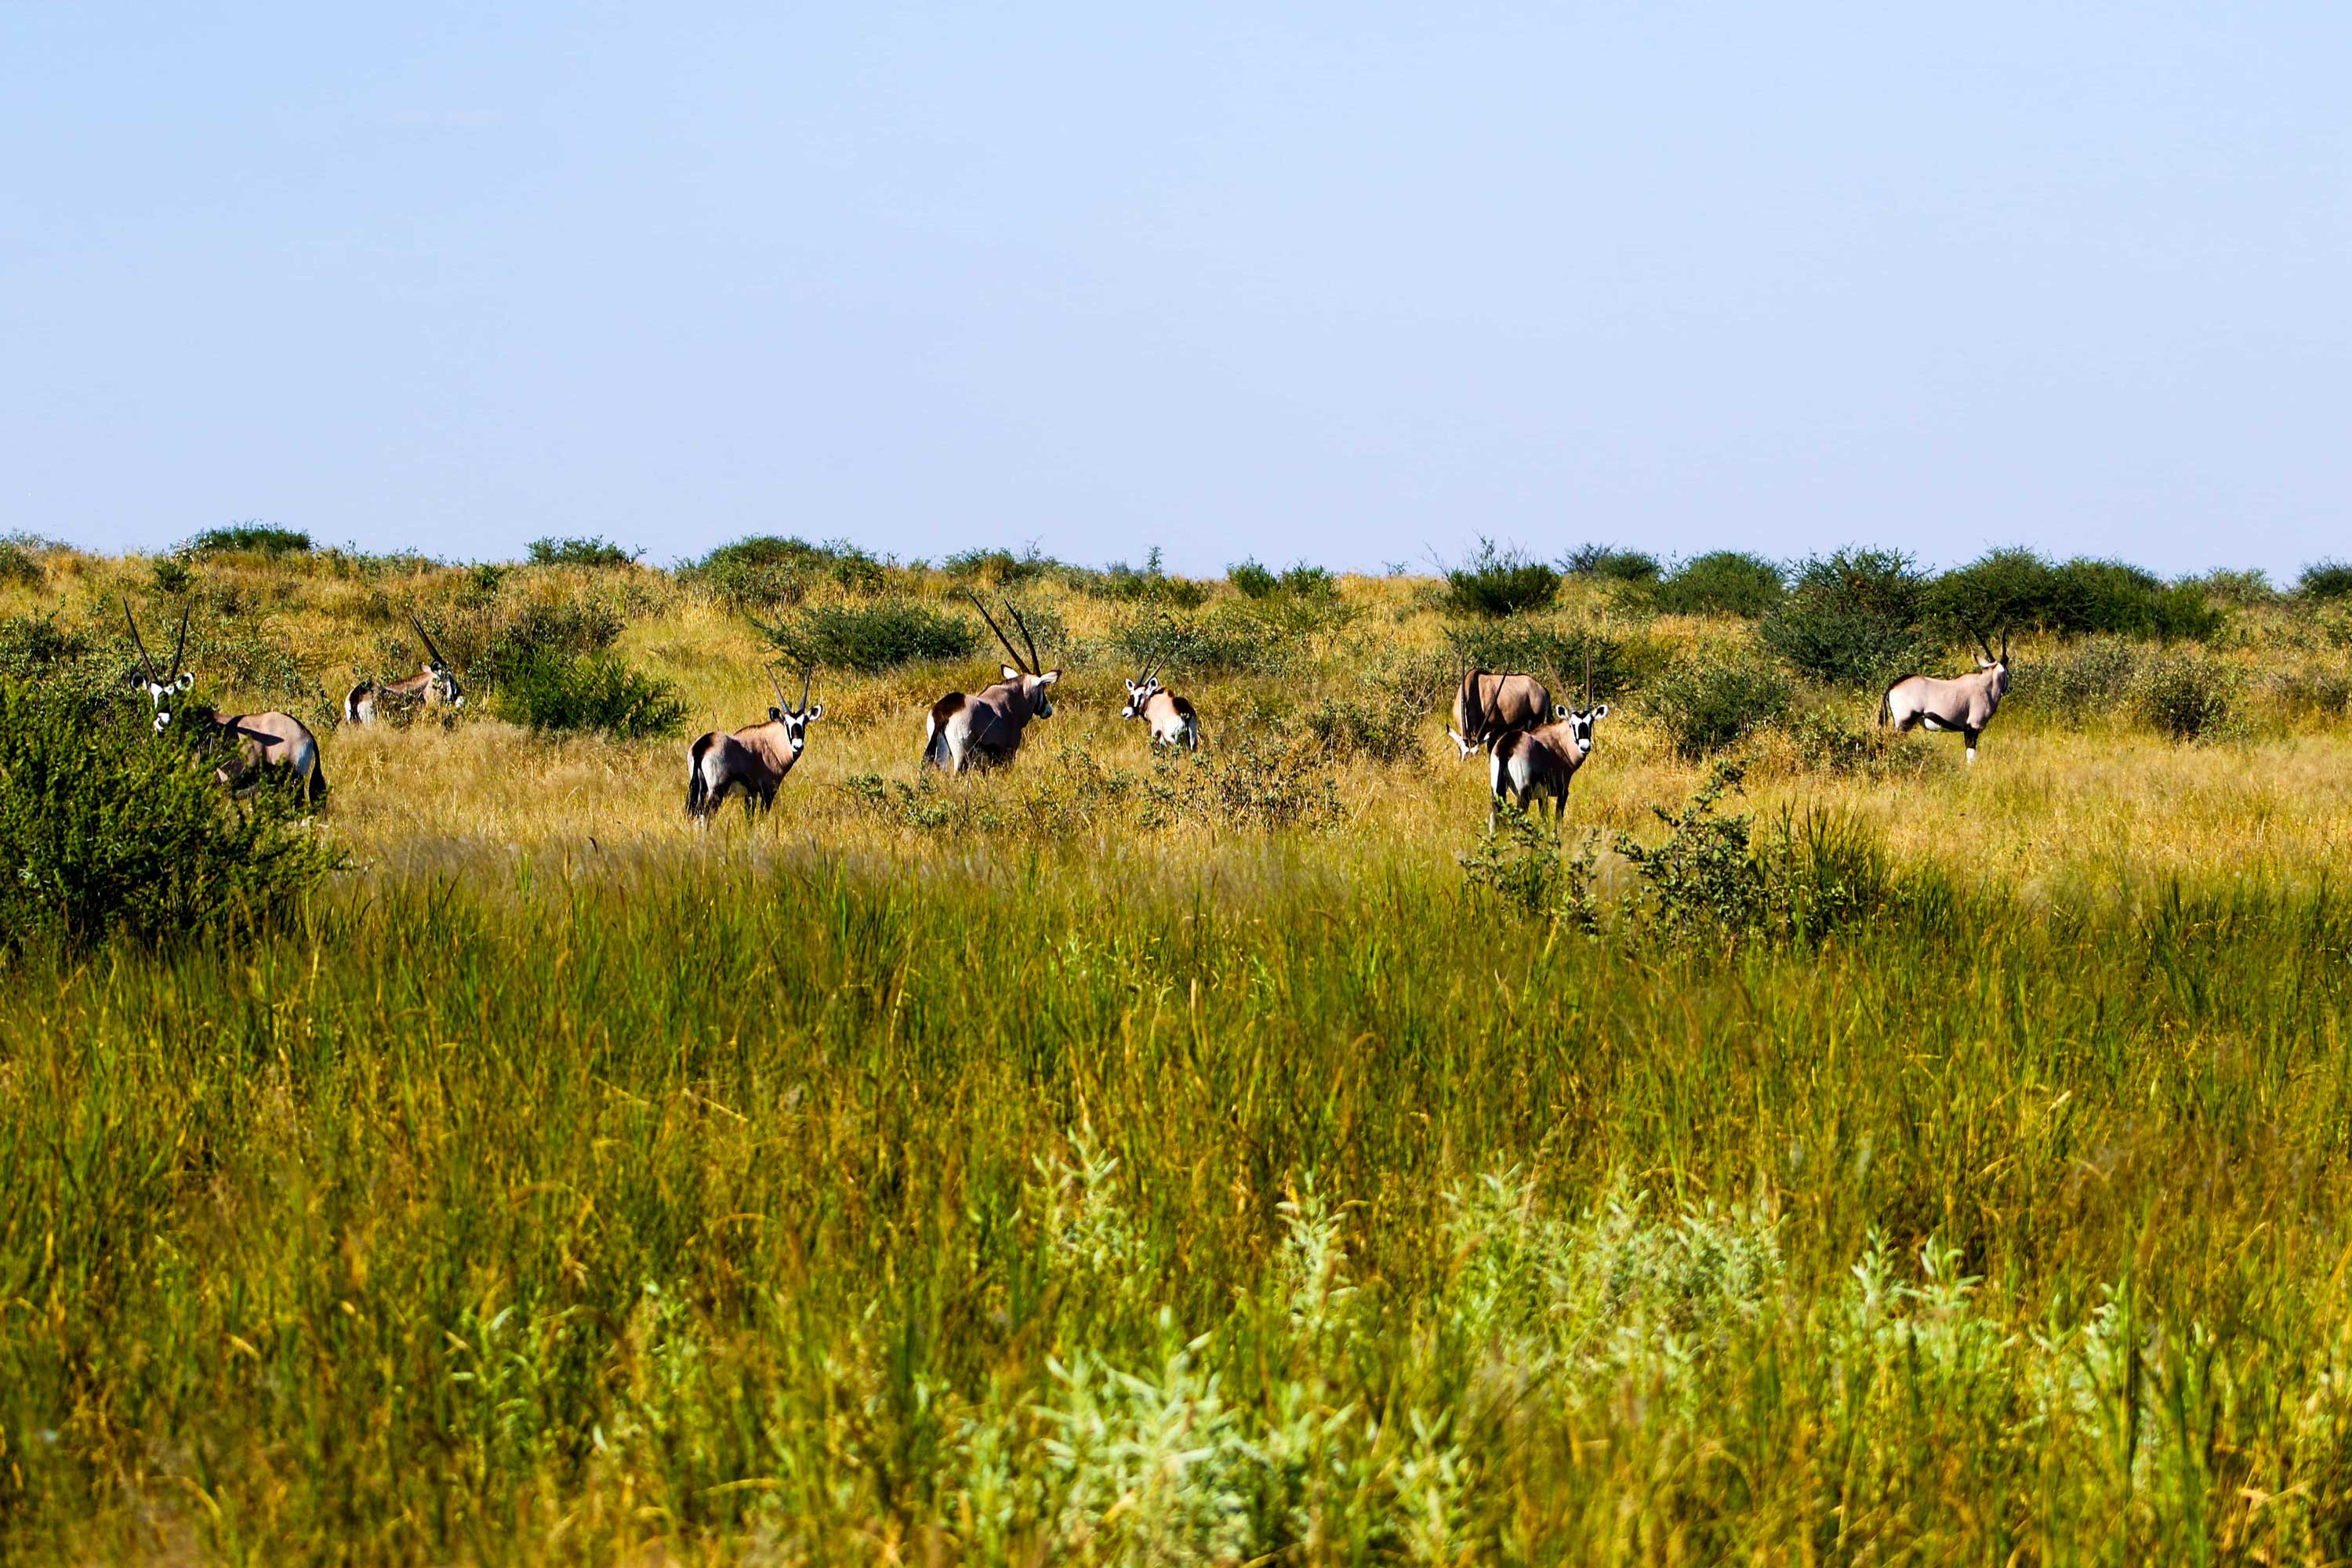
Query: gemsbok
{"x": 257, "y": 742}
{"x": 1487, "y": 706}
{"x": 434, "y": 685}
{"x": 753, "y": 760}
{"x": 1173, "y": 721}
{"x": 1965, "y": 703}
{"x": 984, "y": 729}
{"x": 1532, "y": 765}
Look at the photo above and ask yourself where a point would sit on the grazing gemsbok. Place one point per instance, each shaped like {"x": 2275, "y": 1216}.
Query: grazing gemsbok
{"x": 1173, "y": 721}
{"x": 1965, "y": 703}
{"x": 256, "y": 742}
{"x": 754, "y": 760}
{"x": 984, "y": 729}
{"x": 1487, "y": 706}
{"x": 1533, "y": 765}
{"x": 432, "y": 686}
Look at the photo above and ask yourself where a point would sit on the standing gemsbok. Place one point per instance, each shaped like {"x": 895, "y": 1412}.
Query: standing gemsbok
{"x": 1173, "y": 721}
{"x": 984, "y": 729}
{"x": 1965, "y": 703}
{"x": 1533, "y": 765}
{"x": 257, "y": 742}
{"x": 434, "y": 685}
{"x": 754, "y": 760}
{"x": 1487, "y": 706}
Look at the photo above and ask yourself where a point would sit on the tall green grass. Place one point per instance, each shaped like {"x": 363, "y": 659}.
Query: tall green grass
{"x": 762, "y": 1204}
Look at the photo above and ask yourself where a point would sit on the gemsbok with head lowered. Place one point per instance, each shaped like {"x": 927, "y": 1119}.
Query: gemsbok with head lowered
{"x": 754, "y": 759}
{"x": 1965, "y": 703}
{"x": 1170, "y": 717}
{"x": 431, "y": 687}
{"x": 245, "y": 748}
{"x": 984, "y": 729}
{"x": 1527, "y": 767}
{"x": 1487, "y": 706}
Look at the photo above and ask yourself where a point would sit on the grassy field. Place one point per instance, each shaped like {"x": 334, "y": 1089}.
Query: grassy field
{"x": 1120, "y": 1162}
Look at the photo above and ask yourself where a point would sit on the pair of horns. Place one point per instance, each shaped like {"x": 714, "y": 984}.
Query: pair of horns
{"x": 1033, "y": 666}
{"x": 807, "y": 675}
{"x": 179, "y": 645}
{"x": 1990, "y": 659}
{"x": 427, "y": 638}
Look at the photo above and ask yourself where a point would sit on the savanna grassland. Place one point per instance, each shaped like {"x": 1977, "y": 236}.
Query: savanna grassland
{"x": 1239, "y": 1157}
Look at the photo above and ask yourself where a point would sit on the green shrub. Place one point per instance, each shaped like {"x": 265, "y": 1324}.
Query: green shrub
{"x": 2223, "y": 585}
{"x": 563, "y": 693}
{"x": 1001, "y": 567}
{"x": 1607, "y": 563}
{"x": 875, "y": 636}
{"x": 1371, "y": 725}
{"x": 1150, "y": 584}
{"x": 491, "y": 643}
{"x": 2189, "y": 696}
{"x": 2016, "y": 589}
{"x": 1248, "y": 780}
{"x": 1253, "y": 580}
{"x": 2323, "y": 692}
{"x": 173, "y": 576}
{"x": 248, "y": 537}
{"x": 592, "y": 550}
{"x": 1554, "y": 652}
{"x": 1299, "y": 579}
{"x": 1706, "y": 705}
{"x": 1854, "y": 617}
{"x": 2326, "y": 580}
{"x": 1720, "y": 583}
{"x": 18, "y": 564}
{"x": 2092, "y": 677}
{"x": 1223, "y": 640}
{"x": 108, "y": 831}
{"x": 764, "y": 570}
{"x": 1495, "y": 582}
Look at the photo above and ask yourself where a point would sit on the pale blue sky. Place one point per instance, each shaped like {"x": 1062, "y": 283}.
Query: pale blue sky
{"x": 1345, "y": 283}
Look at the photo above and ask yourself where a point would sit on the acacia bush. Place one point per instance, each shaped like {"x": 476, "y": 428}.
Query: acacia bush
{"x": 1707, "y": 704}
{"x": 1720, "y": 583}
{"x": 1372, "y": 724}
{"x": 1225, "y": 638}
{"x": 19, "y": 565}
{"x": 2016, "y": 589}
{"x": 247, "y": 538}
{"x": 1495, "y": 582}
{"x": 594, "y": 550}
{"x": 2093, "y": 678}
{"x": 1554, "y": 652}
{"x": 1608, "y": 564}
{"x": 2325, "y": 580}
{"x": 2189, "y": 696}
{"x": 764, "y": 570}
{"x": 1852, "y": 617}
{"x": 872, "y": 637}
{"x": 108, "y": 831}
{"x": 559, "y": 693}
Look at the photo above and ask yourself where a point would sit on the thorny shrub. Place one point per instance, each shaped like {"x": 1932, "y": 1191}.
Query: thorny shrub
{"x": 1705, "y": 705}
{"x": 872, "y": 637}
{"x": 2189, "y": 696}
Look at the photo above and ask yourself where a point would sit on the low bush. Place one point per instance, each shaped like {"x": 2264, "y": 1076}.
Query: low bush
{"x": 1223, "y": 640}
{"x": 1372, "y": 725}
{"x": 491, "y": 641}
{"x": 764, "y": 570}
{"x": 1497, "y": 582}
{"x": 171, "y": 575}
{"x": 2091, "y": 678}
{"x": 2326, "y": 580}
{"x": 1554, "y": 652}
{"x": 2189, "y": 696}
{"x": 248, "y": 537}
{"x": 2317, "y": 690}
{"x": 2018, "y": 590}
{"x": 18, "y": 564}
{"x": 1148, "y": 583}
{"x": 1001, "y": 567}
{"x": 565, "y": 693}
{"x": 872, "y": 637}
{"x": 1250, "y": 779}
{"x": 1720, "y": 583}
{"x": 1607, "y": 563}
{"x": 1854, "y": 617}
{"x": 1298, "y": 580}
{"x": 108, "y": 832}
{"x": 596, "y": 550}
{"x": 1707, "y": 704}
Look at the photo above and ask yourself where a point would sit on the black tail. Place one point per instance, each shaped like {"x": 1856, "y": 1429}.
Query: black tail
{"x": 696, "y": 791}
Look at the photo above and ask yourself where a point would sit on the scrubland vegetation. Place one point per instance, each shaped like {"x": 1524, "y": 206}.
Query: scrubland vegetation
{"x": 1826, "y": 1152}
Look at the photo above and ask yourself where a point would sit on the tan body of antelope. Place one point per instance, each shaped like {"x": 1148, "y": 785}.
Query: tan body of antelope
{"x": 256, "y": 745}
{"x": 434, "y": 685}
{"x": 1965, "y": 703}
{"x": 984, "y": 729}
{"x": 1487, "y": 706}
{"x": 754, "y": 760}
{"x": 1527, "y": 767}
{"x": 1170, "y": 717}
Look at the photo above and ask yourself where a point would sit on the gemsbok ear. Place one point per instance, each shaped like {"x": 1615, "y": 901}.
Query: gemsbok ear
{"x": 187, "y": 678}
{"x": 814, "y": 714}
{"x": 1601, "y": 711}
{"x": 1050, "y": 676}
{"x": 1010, "y": 673}
{"x": 1132, "y": 689}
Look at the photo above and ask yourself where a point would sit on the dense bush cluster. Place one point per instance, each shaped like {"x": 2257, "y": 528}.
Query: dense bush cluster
{"x": 1720, "y": 583}
{"x": 882, "y": 635}
{"x": 1854, "y": 617}
{"x": 565, "y": 693}
{"x": 2018, "y": 590}
{"x": 1707, "y": 704}
{"x": 1497, "y": 582}
{"x": 249, "y": 539}
{"x": 592, "y": 550}
{"x": 1608, "y": 564}
{"x": 764, "y": 570}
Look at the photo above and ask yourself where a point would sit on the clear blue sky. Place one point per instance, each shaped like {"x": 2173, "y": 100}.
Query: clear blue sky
{"x": 1346, "y": 283}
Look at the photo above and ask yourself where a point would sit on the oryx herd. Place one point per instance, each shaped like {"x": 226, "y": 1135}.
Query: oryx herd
{"x": 1533, "y": 746}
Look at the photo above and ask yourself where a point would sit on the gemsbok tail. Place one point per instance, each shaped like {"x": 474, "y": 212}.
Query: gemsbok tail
{"x": 1887, "y": 706}
{"x": 351, "y": 713}
{"x": 698, "y": 791}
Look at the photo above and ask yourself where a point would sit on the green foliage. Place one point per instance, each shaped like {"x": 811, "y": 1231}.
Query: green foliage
{"x": 1372, "y": 724}
{"x": 18, "y": 564}
{"x": 878, "y": 635}
{"x": 1298, "y": 580}
{"x": 492, "y": 640}
{"x": 1555, "y": 652}
{"x": 106, "y": 831}
{"x": 1703, "y": 882}
{"x": 1497, "y": 583}
{"x": 1607, "y": 563}
{"x": 560, "y": 693}
{"x": 2091, "y": 679}
{"x": 2325, "y": 580}
{"x": 2018, "y": 590}
{"x": 1707, "y": 704}
{"x": 1001, "y": 567}
{"x": 1525, "y": 865}
{"x": 1249, "y": 780}
{"x": 2189, "y": 696}
{"x": 1221, "y": 639}
{"x": 763, "y": 569}
{"x": 248, "y": 537}
{"x": 1150, "y": 584}
{"x": 594, "y": 550}
{"x": 1854, "y": 617}
{"x": 171, "y": 577}
{"x": 1720, "y": 583}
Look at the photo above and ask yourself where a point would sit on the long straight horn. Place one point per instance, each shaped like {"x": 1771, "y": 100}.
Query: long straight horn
{"x": 777, "y": 686}
{"x": 1986, "y": 645}
{"x": 430, "y": 647}
{"x": 808, "y": 677}
{"x": 1013, "y": 652}
{"x": 180, "y": 643}
{"x": 1588, "y": 675}
{"x": 140, "y": 644}
{"x": 1037, "y": 665}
